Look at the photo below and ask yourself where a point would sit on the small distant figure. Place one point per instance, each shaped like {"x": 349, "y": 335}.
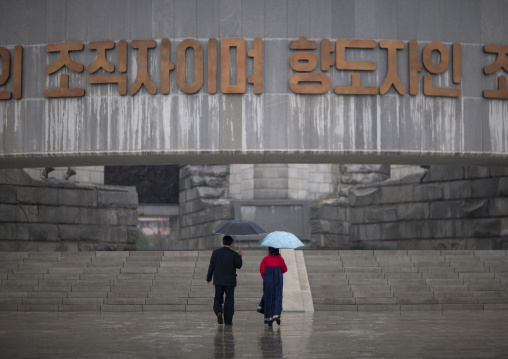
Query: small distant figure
{"x": 272, "y": 268}
{"x": 46, "y": 172}
{"x": 70, "y": 172}
{"x": 223, "y": 265}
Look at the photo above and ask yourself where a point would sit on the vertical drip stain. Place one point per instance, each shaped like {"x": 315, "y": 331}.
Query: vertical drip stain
{"x": 498, "y": 113}
{"x": 367, "y": 121}
{"x": 166, "y": 117}
{"x": 213, "y": 121}
{"x": 2, "y": 124}
{"x": 352, "y": 121}
{"x": 184, "y": 122}
{"x": 156, "y": 125}
{"x": 252, "y": 127}
{"x": 378, "y": 122}
{"x": 109, "y": 139}
{"x": 198, "y": 115}
{"x": 339, "y": 129}
{"x": 448, "y": 130}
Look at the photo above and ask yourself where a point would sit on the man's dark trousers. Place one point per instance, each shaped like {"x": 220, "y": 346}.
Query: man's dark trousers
{"x": 229, "y": 303}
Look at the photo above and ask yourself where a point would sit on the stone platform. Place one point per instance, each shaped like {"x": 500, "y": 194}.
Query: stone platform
{"x": 345, "y": 335}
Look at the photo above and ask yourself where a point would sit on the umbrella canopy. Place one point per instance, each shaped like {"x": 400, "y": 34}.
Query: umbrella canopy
{"x": 239, "y": 228}
{"x": 279, "y": 239}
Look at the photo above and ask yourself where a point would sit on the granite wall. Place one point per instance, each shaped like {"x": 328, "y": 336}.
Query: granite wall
{"x": 330, "y": 227}
{"x": 54, "y": 215}
{"x": 437, "y": 207}
{"x": 443, "y": 208}
{"x": 204, "y": 205}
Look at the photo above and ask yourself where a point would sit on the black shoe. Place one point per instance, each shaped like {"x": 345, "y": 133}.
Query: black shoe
{"x": 278, "y": 321}
{"x": 219, "y": 318}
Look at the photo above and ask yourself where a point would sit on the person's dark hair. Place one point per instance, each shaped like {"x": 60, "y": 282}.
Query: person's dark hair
{"x": 272, "y": 250}
{"x": 227, "y": 240}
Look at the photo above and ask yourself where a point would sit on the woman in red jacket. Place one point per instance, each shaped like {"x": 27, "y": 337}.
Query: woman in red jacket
{"x": 272, "y": 267}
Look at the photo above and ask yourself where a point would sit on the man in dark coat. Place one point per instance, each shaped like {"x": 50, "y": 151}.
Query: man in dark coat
{"x": 222, "y": 268}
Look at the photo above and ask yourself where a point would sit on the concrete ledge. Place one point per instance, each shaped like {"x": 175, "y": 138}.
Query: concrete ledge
{"x": 422, "y": 307}
{"x": 121, "y": 308}
{"x": 495, "y": 307}
{"x": 204, "y": 307}
{"x": 38, "y": 308}
{"x": 378, "y": 307}
{"x": 175, "y": 308}
{"x": 462, "y": 306}
{"x": 169, "y": 301}
{"x": 345, "y": 308}
{"x": 79, "y": 308}
{"x": 334, "y": 301}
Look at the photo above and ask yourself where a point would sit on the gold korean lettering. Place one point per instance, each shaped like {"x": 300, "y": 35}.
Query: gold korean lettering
{"x": 327, "y": 61}
{"x": 428, "y": 87}
{"x": 64, "y": 60}
{"x": 341, "y": 64}
{"x": 6, "y": 72}
{"x": 166, "y": 66}
{"x": 257, "y": 55}
{"x": 306, "y": 61}
{"x": 212, "y": 66}
{"x": 226, "y": 86}
{"x": 414, "y": 67}
{"x": 102, "y": 63}
{"x": 181, "y": 67}
{"x": 392, "y": 77}
{"x": 143, "y": 78}
{"x": 500, "y": 63}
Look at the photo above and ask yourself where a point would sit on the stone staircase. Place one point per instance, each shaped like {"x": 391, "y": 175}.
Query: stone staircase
{"x": 118, "y": 281}
{"x": 408, "y": 280}
{"x": 175, "y": 281}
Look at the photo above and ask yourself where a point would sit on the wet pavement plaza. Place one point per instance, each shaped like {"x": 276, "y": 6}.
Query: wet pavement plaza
{"x": 161, "y": 335}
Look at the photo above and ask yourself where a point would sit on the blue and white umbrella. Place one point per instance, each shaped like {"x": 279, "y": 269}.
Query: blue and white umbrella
{"x": 280, "y": 239}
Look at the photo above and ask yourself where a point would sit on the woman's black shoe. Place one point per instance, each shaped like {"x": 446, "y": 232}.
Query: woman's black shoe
{"x": 278, "y": 321}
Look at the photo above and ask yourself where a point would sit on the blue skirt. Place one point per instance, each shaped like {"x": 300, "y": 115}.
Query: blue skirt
{"x": 271, "y": 302}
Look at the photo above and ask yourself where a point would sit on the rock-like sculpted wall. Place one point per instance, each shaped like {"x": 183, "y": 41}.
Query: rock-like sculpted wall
{"x": 203, "y": 205}
{"x": 445, "y": 208}
{"x": 330, "y": 217}
{"x": 53, "y": 215}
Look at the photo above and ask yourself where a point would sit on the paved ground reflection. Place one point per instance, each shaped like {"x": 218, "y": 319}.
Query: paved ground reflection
{"x": 162, "y": 335}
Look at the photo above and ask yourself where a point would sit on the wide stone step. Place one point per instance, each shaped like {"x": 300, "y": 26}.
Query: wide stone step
{"x": 332, "y": 294}
{"x": 338, "y": 307}
{"x": 416, "y": 300}
{"x": 373, "y": 294}
{"x": 334, "y": 301}
{"x": 167, "y": 280}
{"x": 376, "y": 300}
{"x": 365, "y": 275}
{"x": 408, "y": 280}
